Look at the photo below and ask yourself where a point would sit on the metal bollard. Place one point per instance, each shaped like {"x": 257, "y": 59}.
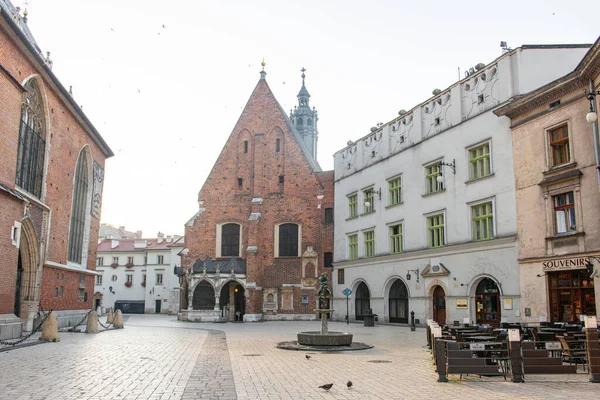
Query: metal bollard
{"x": 412, "y": 321}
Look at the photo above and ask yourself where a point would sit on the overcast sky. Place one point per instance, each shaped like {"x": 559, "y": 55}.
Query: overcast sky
{"x": 164, "y": 82}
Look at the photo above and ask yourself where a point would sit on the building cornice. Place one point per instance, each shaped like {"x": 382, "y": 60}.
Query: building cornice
{"x": 70, "y": 268}
{"x": 579, "y": 78}
{"x": 461, "y": 248}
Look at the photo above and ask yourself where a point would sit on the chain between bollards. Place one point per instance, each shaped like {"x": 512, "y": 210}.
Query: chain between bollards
{"x": 23, "y": 338}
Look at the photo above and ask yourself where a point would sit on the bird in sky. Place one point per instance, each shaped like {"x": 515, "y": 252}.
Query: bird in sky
{"x": 307, "y": 357}
{"x": 284, "y": 82}
{"x": 349, "y": 384}
{"x": 112, "y": 29}
{"x": 326, "y": 386}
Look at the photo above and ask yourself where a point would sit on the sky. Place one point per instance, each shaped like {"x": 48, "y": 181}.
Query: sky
{"x": 164, "y": 82}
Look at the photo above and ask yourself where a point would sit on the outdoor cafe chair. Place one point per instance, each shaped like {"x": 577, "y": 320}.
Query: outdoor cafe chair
{"x": 571, "y": 353}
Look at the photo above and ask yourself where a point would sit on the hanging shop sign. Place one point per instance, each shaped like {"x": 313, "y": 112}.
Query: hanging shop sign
{"x": 565, "y": 264}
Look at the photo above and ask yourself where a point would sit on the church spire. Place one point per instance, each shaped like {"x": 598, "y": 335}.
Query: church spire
{"x": 305, "y": 119}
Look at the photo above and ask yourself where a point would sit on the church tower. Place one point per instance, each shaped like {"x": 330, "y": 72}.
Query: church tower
{"x": 305, "y": 120}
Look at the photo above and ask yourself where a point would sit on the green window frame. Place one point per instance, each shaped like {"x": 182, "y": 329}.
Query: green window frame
{"x": 368, "y": 196}
{"x": 432, "y": 171}
{"x": 353, "y": 247}
{"x": 353, "y": 206}
{"x": 369, "y": 244}
{"x": 435, "y": 231}
{"x": 395, "y": 189}
{"x": 479, "y": 161}
{"x": 482, "y": 216}
{"x": 396, "y": 239}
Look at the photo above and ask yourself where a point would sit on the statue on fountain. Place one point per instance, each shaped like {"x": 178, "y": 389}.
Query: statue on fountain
{"x": 324, "y": 291}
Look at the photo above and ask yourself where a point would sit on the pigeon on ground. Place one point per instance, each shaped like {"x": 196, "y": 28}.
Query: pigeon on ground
{"x": 307, "y": 357}
{"x": 326, "y": 387}
{"x": 349, "y": 384}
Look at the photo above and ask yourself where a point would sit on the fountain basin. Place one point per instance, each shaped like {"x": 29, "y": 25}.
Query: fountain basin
{"x": 316, "y": 338}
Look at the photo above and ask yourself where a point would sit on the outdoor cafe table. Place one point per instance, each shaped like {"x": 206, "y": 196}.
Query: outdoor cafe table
{"x": 480, "y": 338}
{"x": 554, "y": 330}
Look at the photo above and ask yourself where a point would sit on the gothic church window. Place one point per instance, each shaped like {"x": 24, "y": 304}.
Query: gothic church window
{"x": 309, "y": 122}
{"x": 78, "y": 208}
{"x": 230, "y": 240}
{"x": 32, "y": 141}
{"x": 277, "y": 145}
{"x": 300, "y": 122}
{"x": 288, "y": 240}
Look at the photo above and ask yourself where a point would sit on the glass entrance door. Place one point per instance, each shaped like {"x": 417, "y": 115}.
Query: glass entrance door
{"x": 487, "y": 299}
{"x": 571, "y": 295}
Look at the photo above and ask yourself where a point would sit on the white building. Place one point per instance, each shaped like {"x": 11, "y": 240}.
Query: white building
{"x": 425, "y": 204}
{"x": 137, "y": 275}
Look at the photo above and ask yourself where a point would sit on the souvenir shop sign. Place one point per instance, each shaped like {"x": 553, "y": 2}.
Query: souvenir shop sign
{"x": 565, "y": 264}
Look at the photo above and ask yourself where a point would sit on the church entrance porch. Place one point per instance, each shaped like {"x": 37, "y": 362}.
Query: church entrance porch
{"x": 232, "y": 301}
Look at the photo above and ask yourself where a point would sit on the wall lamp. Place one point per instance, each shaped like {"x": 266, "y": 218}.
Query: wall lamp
{"x": 440, "y": 178}
{"x": 589, "y": 266}
{"x": 592, "y": 117}
{"x": 415, "y": 271}
{"x": 378, "y": 193}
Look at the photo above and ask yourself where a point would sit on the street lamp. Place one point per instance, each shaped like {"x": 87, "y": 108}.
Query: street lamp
{"x": 592, "y": 117}
{"x": 440, "y": 178}
{"x": 589, "y": 266}
{"x": 415, "y": 271}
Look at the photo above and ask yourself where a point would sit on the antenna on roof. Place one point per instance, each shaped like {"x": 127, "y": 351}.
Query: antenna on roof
{"x": 504, "y": 47}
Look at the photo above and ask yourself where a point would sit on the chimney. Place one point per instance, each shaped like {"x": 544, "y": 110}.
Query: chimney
{"x": 169, "y": 238}
{"x": 122, "y": 228}
{"x": 138, "y": 235}
{"x": 160, "y": 237}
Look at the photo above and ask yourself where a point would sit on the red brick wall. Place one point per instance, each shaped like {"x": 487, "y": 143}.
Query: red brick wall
{"x": 65, "y": 137}
{"x": 10, "y": 211}
{"x": 295, "y": 201}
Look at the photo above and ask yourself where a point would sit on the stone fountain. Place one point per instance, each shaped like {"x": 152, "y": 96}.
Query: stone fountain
{"x": 324, "y": 337}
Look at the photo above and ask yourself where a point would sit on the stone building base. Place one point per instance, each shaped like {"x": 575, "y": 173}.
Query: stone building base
{"x": 10, "y": 326}
{"x": 200, "y": 316}
{"x": 288, "y": 317}
{"x": 66, "y": 318}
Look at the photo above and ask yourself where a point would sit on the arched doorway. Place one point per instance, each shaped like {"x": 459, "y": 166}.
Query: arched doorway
{"x": 439, "y": 305}
{"x": 204, "y": 297}
{"x": 362, "y": 301}
{"x": 487, "y": 302}
{"x": 28, "y": 283}
{"x": 233, "y": 301}
{"x": 398, "y": 303}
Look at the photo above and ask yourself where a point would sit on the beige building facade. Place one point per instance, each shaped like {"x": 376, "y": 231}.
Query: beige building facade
{"x": 557, "y": 182}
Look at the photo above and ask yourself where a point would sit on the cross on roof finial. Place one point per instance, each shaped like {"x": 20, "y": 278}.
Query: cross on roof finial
{"x": 263, "y": 63}
{"x": 303, "y": 70}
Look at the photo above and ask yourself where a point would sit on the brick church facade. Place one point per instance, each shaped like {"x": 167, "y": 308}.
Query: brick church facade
{"x": 264, "y": 231}
{"x": 51, "y": 175}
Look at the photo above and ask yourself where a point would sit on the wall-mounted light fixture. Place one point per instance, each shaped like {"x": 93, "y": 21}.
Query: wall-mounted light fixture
{"x": 589, "y": 266}
{"x": 378, "y": 193}
{"x": 414, "y": 271}
{"x": 592, "y": 116}
{"x": 440, "y": 177}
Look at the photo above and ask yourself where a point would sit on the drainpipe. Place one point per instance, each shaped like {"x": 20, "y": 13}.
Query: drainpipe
{"x": 595, "y": 130}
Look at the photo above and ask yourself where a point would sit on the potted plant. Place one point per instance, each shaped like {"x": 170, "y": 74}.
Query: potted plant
{"x": 144, "y": 284}
{"x": 128, "y": 284}
{"x": 114, "y": 265}
{"x": 129, "y": 265}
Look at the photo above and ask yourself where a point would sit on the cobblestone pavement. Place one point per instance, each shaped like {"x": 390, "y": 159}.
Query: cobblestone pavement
{"x": 157, "y": 357}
